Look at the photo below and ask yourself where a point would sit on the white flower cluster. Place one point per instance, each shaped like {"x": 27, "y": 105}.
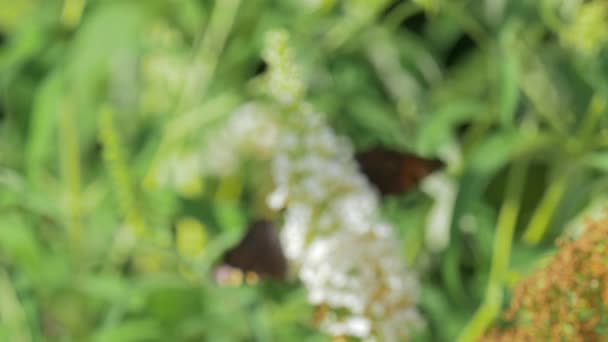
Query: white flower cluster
{"x": 284, "y": 81}
{"x": 347, "y": 257}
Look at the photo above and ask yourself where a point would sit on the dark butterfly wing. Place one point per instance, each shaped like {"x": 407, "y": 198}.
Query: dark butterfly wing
{"x": 394, "y": 172}
{"x": 414, "y": 169}
{"x": 259, "y": 251}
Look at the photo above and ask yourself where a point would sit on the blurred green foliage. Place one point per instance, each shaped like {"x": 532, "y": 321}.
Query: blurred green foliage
{"x": 95, "y": 94}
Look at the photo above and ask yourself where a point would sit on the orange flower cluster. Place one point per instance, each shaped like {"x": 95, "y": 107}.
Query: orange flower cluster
{"x": 567, "y": 300}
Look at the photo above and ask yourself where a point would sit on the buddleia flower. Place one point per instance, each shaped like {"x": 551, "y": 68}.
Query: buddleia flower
{"x": 344, "y": 253}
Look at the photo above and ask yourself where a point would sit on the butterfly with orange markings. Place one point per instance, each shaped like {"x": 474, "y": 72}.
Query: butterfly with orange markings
{"x": 393, "y": 172}
{"x": 259, "y": 254}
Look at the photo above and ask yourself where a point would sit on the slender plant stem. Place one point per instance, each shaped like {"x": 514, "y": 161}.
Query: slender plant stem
{"x": 597, "y": 107}
{"x": 503, "y": 239}
{"x": 542, "y": 215}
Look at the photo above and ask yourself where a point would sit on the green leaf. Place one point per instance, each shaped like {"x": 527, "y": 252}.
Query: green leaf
{"x": 597, "y": 161}
{"x": 438, "y": 128}
{"x": 494, "y": 152}
{"x": 509, "y": 69}
{"x": 18, "y": 243}
{"x": 133, "y": 330}
{"x": 40, "y": 147}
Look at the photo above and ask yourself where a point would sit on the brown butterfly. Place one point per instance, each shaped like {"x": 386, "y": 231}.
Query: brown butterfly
{"x": 395, "y": 172}
{"x": 259, "y": 252}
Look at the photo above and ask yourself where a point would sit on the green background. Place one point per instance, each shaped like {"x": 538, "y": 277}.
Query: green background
{"x": 518, "y": 87}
